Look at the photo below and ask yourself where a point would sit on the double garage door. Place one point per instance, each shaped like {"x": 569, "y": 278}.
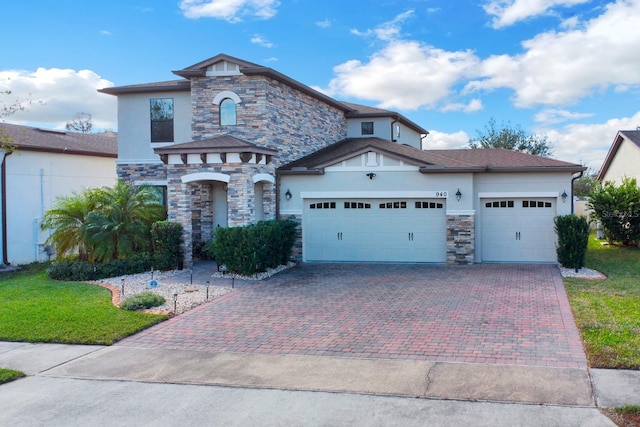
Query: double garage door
{"x": 375, "y": 230}
{"x": 518, "y": 230}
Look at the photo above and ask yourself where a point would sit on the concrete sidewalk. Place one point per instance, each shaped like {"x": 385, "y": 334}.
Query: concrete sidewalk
{"x": 407, "y": 378}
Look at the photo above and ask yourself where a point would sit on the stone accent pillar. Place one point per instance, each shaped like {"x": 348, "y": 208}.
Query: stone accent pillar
{"x": 461, "y": 239}
{"x": 240, "y": 200}
{"x": 269, "y": 201}
{"x": 179, "y": 196}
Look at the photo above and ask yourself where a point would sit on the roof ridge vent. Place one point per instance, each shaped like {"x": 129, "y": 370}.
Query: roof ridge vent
{"x": 59, "y": 132}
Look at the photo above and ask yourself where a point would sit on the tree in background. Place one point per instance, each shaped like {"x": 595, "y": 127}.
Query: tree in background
{"x": 81, "y": 123}
{"x": 586, "y": 184}
{"x": 511, "y": 138}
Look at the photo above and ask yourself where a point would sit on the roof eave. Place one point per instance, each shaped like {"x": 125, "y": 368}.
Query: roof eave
{"x": 301, "y": 171}
{"x": 122, "y": 90}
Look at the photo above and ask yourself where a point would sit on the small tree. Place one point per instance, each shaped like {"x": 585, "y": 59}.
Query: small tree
{"x": 510, "y": 138}
{"x": 81, "y": 123}
{"x": 618, "y": 209}
{"x": 573, "y": 239}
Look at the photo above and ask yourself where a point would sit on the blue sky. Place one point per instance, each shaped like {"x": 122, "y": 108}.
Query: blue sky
{"x": 567, "y": 69}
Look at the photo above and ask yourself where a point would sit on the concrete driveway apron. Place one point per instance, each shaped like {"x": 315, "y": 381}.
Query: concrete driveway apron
{"x": 490, "y": 314}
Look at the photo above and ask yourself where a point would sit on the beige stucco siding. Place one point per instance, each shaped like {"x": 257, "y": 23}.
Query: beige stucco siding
{"x": 626, "y": 163}
{"x": 34, "y": 181}
{"x": 134, "y": 123}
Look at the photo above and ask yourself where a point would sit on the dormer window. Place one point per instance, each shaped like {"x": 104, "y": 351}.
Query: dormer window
{"x": 227, "y": 112}
{"x": 367, "y": 128}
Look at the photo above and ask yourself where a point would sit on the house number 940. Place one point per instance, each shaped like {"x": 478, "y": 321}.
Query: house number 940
{"x": 442, "y": 193}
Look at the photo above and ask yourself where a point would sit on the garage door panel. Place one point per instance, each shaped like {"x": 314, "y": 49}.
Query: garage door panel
{"x": 518, "y": 230}
{"x": 396, "y": 232}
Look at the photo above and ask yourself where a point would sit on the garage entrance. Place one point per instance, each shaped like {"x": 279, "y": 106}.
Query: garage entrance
{"x": 375, "y": 230}
{"x": 518, "y": 230}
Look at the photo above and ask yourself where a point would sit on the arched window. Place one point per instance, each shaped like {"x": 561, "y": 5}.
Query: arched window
{"x": 227, "y": 112}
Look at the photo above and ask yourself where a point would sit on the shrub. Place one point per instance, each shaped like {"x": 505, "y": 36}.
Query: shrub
{"x": 573, "y": 238}
{"x": 167, "y": 245}
{"x": 74, "y": 270}
{"x": 618, "y": 209}
{"x": 142, "y": 300}
{"x": 258, "y": 247}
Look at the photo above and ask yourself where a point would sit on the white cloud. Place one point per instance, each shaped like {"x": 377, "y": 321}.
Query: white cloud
{"x": 403, "y": 75}
{"x": 588, "y": 143}
{"x": 445, "y": 141}
{"x": 59, "y": 94}
{"x": 558, "y": 68}
{"x": 229, "y": 10}
{"x": 260, "y": 40}
{"x": 553, "y": 116}
{"x": 473, "y": 106}
{"x": 324, "y": 24}
{"x": 508, "y": 12}
{"x": 387, "y": 31}
{"x": 106, "y": 33}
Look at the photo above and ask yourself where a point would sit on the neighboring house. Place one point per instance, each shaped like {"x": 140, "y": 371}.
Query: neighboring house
{"x": 233, "y": 143}
{"x": 623, "y": 158}
{"x": 46, "y": 164}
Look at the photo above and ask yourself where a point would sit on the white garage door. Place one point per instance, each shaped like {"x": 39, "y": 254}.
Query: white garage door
{"x": 371, "y": 230}
{"x": 518, "y": 230}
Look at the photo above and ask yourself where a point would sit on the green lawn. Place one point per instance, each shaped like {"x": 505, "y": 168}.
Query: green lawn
{"x": 607, "y": 312}
{"x": 34, "y": 308}
{"x": 7, "y": 375}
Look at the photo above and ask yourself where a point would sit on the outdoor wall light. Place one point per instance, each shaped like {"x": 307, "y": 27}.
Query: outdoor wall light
{"x": 371, "y": 175}
{"x": 288, "y": 195}
{"x": 458, "y": 195}
{"x": 564, "y": 196}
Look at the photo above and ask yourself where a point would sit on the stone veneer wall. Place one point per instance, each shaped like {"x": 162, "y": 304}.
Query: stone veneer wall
{"x": 142, "y": 172}
{"x": 460, "y": 239}
{"x": 271, "y": 114}
{"x": 296, "y": 253}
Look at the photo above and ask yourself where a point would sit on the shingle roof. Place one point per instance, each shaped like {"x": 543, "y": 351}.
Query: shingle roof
{"x": 632, "y": 136}
{"x": 221, "y": 143}
{"x": 362, "y": 111}
{"x": 168, "y": 86}
{"x": 430, "y": 161}
{"x": 35, "y": 139}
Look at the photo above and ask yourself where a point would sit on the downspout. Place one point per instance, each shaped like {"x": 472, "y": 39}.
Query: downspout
{"x": 397, "y": 119}
{"x": 572, "y": 181}
{"x": 3, "y": 177}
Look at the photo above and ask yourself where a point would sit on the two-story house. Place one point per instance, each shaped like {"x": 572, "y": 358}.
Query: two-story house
{"x": 233, "y": 143}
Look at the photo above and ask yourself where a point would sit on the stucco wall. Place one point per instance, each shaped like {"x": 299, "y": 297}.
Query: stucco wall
{"x": 134, "y": 125}
{"x": 382, "y": 128}
{"x": 30, "y": 193}
{"x": 626, "y": 162}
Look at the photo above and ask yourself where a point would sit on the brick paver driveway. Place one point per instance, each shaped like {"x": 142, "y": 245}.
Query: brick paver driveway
{"x": 501, "y": 314}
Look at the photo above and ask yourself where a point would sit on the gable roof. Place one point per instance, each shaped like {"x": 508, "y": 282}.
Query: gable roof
{"x": 430, "y": 161}
{"x": 633, "y": 136}
{"x": 364, "y": 111}
{"x": 168, "y": 86}
{"x": 52, "y": 141}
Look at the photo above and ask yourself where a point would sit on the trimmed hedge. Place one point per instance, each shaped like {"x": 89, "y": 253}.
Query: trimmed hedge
{"x": 167, "y": 245}
{"x": 573, "y": 239}
{"x": 74, "y": 270}
{"x": 142, "y": 300}
{"x": 253, "y": 248}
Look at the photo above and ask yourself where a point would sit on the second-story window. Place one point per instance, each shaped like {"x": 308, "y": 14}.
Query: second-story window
{"x": 227, "y": 112}
{"x": 161, "y": 119}
{"x": 367, "y": 128}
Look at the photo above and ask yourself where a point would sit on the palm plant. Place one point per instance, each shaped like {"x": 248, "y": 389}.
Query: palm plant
{"x": 104, "y": 224}
{"x": 68, "y": 220}
{"x": 121, "y": 225}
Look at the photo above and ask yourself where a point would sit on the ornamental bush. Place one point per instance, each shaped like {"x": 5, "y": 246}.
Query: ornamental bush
{"x": 618, "y": 209}
{"x": 142, "y": 300}
{"x": 253, "y": 248}
{"x": 166, "y": 238}
{"x": 75, "y": 270}
{"x": 573, "y": 238}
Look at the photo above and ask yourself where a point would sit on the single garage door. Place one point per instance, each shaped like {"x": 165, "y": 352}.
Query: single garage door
{"x": 518, "y": 230}
{"x": 375, "y": 230}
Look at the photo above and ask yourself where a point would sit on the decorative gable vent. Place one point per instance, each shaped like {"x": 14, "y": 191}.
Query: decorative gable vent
{"x": 223, "y": 68}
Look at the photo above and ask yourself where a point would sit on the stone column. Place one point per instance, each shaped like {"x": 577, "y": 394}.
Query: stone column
{"x": 461, "y": 239}
{"x": 179, "y": 195}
